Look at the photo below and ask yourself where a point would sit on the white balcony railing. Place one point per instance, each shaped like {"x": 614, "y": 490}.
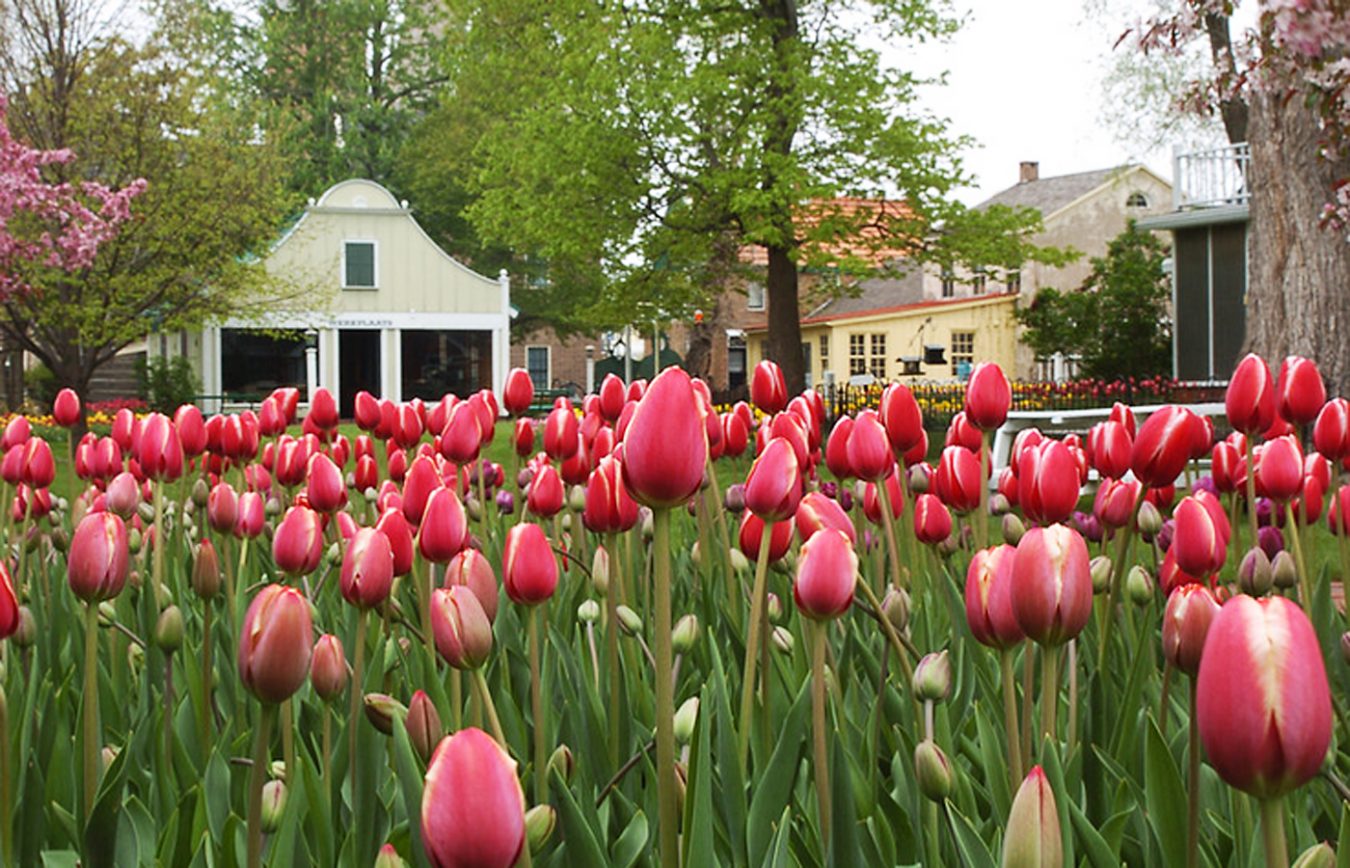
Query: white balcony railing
{"x": 1210, "y": 177}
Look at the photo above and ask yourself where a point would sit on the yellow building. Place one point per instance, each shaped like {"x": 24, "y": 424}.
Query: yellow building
{"x": 859, "y": 339}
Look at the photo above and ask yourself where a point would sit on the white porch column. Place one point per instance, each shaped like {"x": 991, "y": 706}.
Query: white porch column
{"x": 501, "y": 336}
{"x": 311, "y": 369}
{"x": 395, "y": 392}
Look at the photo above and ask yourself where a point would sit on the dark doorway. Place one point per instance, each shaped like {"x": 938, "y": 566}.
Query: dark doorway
{"x": 359, "y": 366}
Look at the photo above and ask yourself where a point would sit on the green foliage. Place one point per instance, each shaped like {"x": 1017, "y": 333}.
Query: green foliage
{"x": 40, "y": 383}
{"x": 166, "y": 383}
{"x": 1117, "y": 322}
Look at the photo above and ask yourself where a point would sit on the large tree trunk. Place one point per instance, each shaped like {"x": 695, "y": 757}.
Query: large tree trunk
{"x": 1297, "y": 272}
{"x": 785, "y": 326}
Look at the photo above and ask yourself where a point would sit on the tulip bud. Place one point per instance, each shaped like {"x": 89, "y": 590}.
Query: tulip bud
{"x": 424, "y": 725}
{"x": 1139, "y": 585}
{"x": 588, "y": 612}
{"x": 629, "y": 621}
{"x": 1283, "y": 571}
{"x": 273, "y": 805}
{"x": 773, "y": 604}
{"x": 1032, "y": 838}
{"x": 932, "y": 771}
{"x": 540, "y": 822}
{"x": 1013, "y": 529}
{"x": 107, "y": 756}
{"x": 1255, "y": 574}
{"x": 205, "y": 570}
{"x": 1148, "y": 520}
{"x": 26, "y": 634}
{"x": 685, "y": 634}
{"x": 381, "y": 709}
{"x": 1100, "y": 568}
{"x": 783, "y": 640}
{"x": 933, "y": 677}
{"x": 388, "y": 858}
{"x": 1317, "y": 856}
{"x": 473, "y": 810}
{"x": 169, "y": 630}
{"x": 895, "y": 605}
{"x": 739, "y": 562}
{"x": 562, "y": 762}
{"x": 685, "y": 718}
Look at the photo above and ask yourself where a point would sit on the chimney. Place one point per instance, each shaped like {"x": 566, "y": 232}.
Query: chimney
{"x": 1028, "y": 170}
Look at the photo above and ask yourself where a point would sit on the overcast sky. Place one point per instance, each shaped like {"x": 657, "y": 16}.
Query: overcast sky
{"x": 1025, "y": 79}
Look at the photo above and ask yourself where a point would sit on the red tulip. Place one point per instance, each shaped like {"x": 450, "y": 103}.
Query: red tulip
{"x": 473, "y": 810}
{"x": 471, "y": 570}
{"x": 665, "y": 446}
{"x": 1191, "y": 610}
{"x": 1051, "y": 584}
{"x": 958, "y": 479}
{"x": 445, "y": 527}
{"x": 274, "y": 644}
{"x": 932, "y": 520}
{"x": 1115, "y": 502}
{"x": 1263, "y": 702}
{"x": 98, "y": 560}
{"x": 366, "y": 410}
{"x": 836, "y": 448}
{"x": 123, "y": 495}
{"x": 39, "y": 468}
{"x": 297, "y": 545}
{"x": 1199, "y": 542}
{"x": 529, "y": 570}
{"x": 1163, "y": 445}
{"x": 901, "y": 416}
{"x": 191, "y": 428}
{"x": 989, "y": 608}
{"x": 827, "y": 572}
{"x": 420, "y": 482}
{"x": 66, "y": 408}
{"x": 961, "y": 432}
{"x": 462, "y": 437}
{"x": 409, "y": 429}
{"x": 1228, "y": 467}
{"x": 159, "y": 451}
{"x": 988, "y": 396}
{"x": 522, "y": 437}
{"x": 324, "y": 485}
{"x": 1279, "y": 473}
{"x": 518, "y": 392}
{"x": 222, "y": 507}
{"x": 773, "y": 487}
{"x": 289, "y": 398}
{"x": 561, "y": 434}
{"x": 735, "y": 435}
{"x": 1048, "y": 482}
{"x": 872, "y": 499}
{"x": 609, "y": 506}
{"x": 396, "y": 528}
{"x": 612, "y": 397}
{"x": 124, "y": 427}
{"x": 462, "y": 630}
{"x": 869, "y": 449}
{"x": 1331, "y": 432}
{"x": 752, "y": 531}
{"x": 791, "y": 428}
{"x": 546, "y": 492}
{"x": 367, "y": 569}
{"x": 1112, "y": 447}
{"x": 1250, "y": 399}
{"x": 768, "y": 388}
{"x": 323, "y": 411}
{"x": 817, "y": 512}
{"x": 328, "y": 670}
{"x": 1299, "y": 390}
{"x": 251, "y": 515}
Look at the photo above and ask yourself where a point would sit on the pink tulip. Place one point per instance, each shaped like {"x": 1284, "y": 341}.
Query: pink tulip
{"x": 1163, "y": 445}
{"x": 1299, "y": 390}
{"x": 251, "y": 515}
{"x": 768, "y": 388}
{"x": 323, "y": 410}
{"x": 1250, "y": 399}
{"x": 561, "y": 433}
{"x": 529, "y": 570}
{"x": 297, "y": 545}
{"x": 773, "y": 488}
{"x": 817, "y": 512}
{"x": 395, "y": 527}
{"x": 325, "y": 488}
{"x": 1191, "y": 609}
{"x": 66, "y": 408}
{"x": 988, "y": 396}
{"x": 518, "y": 392}
{"x": 989, "y": 610}
{"x": 1048, "y": 482}
{"x": 665, "y": 444}
{"x": 827, "y": 572}
{"x": 1032, "y": 838}
{"x": 932, "y": 520}
{"x": 1331, "y": 431}
{"x": 1263, "y": 701}
{"x": 367, "y": 569}
{"x": 275, "y": 644}
{"x": 445, "y": 527}
{"x": 902, "y": 418}
{"x": 98, "y": 560}
{"x": 869, "y": 449}
{"x": 958, "y": 479}
{"x": 191, "y": 428}
{"x": 546, "y": 492}
{"x": 1199, "y": 541}
{"x": 1280, "y": 470}
{"x": 1051, "y": 584}
{"x": 159, "y": 450}
{"x": 472, "y": 570}
{"x": 473, "y": 810}
{"x": 752, "y": 531}
{"x": 609, "y": 506}
{"x": 462, "y": 630}
{"x": 328, "y": 672}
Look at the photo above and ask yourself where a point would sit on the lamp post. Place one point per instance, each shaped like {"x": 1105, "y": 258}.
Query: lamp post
{"x": 590, "y": 369}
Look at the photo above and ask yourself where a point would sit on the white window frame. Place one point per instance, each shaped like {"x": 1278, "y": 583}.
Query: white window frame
{"x": 375, "y": 257}
{"x": 750, "y": 298}
{"x": 548, "y": 358}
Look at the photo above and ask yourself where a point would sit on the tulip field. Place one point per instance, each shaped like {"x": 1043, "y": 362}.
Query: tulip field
{"x": 646, "y": 630}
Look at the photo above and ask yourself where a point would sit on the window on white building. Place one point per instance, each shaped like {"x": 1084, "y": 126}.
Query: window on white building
{"x": 358, "y": 265}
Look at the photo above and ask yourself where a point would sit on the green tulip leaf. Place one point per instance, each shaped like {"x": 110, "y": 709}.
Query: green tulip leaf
{"x": 1165, "y": 797}
{"x": 773, "y": 788}
{"x": 632, "y": 843}
{"x": 410, "y": 782}
{"x": 583, "y": 849}
{"x": 698, "y": 801}
{"x": 973, "y": 851}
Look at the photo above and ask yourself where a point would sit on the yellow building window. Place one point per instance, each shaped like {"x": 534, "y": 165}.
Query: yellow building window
{"x": 877, "y": 368}
{"x": 857, "y": 355}
{"x": 824, "y": 353}
{"x": 963, "y": 353}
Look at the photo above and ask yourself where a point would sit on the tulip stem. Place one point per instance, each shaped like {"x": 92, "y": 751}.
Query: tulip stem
{"x": 982, "y": 519}
{"x": 821, "y": 770}
{"x": 485, "y": 699}
{"x": 718, "y": 515}
{"x": 1028, "y": 690}
{"x": 204, "y": 716}
{"x": 888, "y": 521}
{"x": 357, "y": 689}
{"x": 536, "y": 617}
{"x": 1117, "y": 578}
{"x": 327, "y": 743}
{"x": 257, "y": 774}
{"x": 159, "y": 545}
{"x": 1296, "y": 531}
{"x": 168, "y": 712}
{"x": 288, "y": 736}
{"x": 1015, "y": 773}
{"x": 612, "y": 648}
{"x": 424, "y": 585}
{"x": 6, "y": 791}
{"x": 667, "y": 796}
{"x": 1272, "y": 832}
{"x": 757, "y": 609}
{"x": 91, "y": 735}
{"x": 1193, "y": 786}
{"x": 1050, "y": 690}
{"x": 902, "y": 652}
{"x": 1251, "y": 493}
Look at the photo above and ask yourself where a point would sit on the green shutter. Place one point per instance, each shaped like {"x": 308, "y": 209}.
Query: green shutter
{"x": 360, "y": 264}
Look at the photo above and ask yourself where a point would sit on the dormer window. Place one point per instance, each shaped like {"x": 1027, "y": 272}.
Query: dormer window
{"x": 754, "y": 296}
{"x": 1136, "y": 200}
{"x": 359, "y": 265}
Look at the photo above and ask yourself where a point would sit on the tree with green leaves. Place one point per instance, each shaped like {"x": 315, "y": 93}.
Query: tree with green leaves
{"x": 1117, "y": 322}
{"x": 214, "y": 190}
{"x": 636, "y": 149}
